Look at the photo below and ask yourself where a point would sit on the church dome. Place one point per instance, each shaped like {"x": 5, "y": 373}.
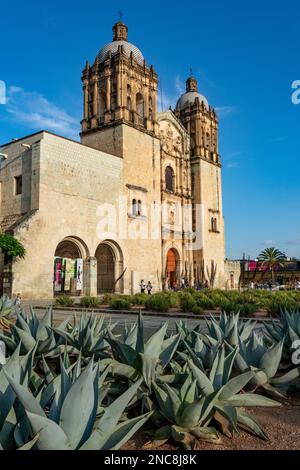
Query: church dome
{"x": 128, "y": 48}
{"x": 188, "y": 98}
{"x": 120, "y": 39}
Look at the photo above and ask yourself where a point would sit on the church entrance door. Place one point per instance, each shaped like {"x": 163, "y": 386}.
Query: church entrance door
{"x": 106, "y": 269}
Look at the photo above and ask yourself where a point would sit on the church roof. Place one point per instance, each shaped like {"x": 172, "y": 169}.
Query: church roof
{"x": 188, "y": 98}
{"x": 128, "y": 48}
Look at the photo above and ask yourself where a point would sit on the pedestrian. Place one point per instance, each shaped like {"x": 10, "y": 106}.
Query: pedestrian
{"x": 182, "y": 284}
{"x": 142, "y": 286}
{"x": 18, "y": 300}
{"x": 149, "y": 288}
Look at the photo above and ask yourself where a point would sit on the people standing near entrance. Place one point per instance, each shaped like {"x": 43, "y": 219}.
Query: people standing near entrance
{"x": 142, "y": 286}
{"x": 149, "y": 287}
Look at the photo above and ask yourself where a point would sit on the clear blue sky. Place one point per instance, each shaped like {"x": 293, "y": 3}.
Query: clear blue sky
{"x": 246, "y": 54}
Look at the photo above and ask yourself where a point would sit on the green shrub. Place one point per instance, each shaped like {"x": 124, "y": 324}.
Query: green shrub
{"x": 187, "y": 302}
{"x": 64, "y": 301}
{"x": 107, "y": 298}
{"x": 159, "y": 302}
{"x": 89, "y": 302}
{"x": 203, "y": 301}
{"x": 139, "y": 299}
{"x": 197, "y": 310}
{"x": 120, "y": 303}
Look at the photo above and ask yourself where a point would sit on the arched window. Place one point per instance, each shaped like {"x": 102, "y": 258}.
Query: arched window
{"x": 169, "y": 177}
{"x": 129, "y": 103}
{"x": 134, "y": 207}
{"x": 102, "y": 104}
{"x": 139, "y": 208}
{"x": 140, "y": 105}
{"x": 207, "y": 140}
{"x": 150, "y": 114}
{"x": 213, "y": 224}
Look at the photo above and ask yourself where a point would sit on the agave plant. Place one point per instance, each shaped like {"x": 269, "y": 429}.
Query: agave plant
{"x": 264, "y": 361}
{"x": 229, "y": 328}
{"x": 87, "y": 336}
{"x": 7, "y": 308}
{"x": 33, "y": 333}
{"x": 287, "y": 329}
{"x": 77, "y": 419}
{"x": 134, "y": 357}
{"x": 187, "y": 414}
{"x": 228, "y": 399}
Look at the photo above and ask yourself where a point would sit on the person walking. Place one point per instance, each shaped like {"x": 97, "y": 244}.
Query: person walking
{"x": 149, "y": 288}
{"x": 142, "y": 286}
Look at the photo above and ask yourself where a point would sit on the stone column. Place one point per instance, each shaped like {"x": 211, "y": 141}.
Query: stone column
{"x": 85, "y": 99}
{"x": 90, "y": 276}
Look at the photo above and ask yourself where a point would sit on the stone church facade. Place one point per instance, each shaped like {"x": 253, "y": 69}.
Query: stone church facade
{"x": 138, "y": 198}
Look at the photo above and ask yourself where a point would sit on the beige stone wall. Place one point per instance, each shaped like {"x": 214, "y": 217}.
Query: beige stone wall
{"x": 208, "y": 199}
{"x": 232, "y": 274}
{"x": 74, "y": 181}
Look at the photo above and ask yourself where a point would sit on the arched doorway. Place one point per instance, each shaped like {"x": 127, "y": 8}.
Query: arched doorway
{"x": 172, "y": 266}
{"x": 69, "y": 259}
{"x": 109, "y": 267}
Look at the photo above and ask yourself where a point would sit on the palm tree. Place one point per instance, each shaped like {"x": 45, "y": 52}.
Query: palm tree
{"x": 271, "y": 258}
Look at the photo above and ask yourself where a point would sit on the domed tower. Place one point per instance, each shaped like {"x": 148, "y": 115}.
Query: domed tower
{"x": 118, "y": 88}
{"x": 201, "y": 122}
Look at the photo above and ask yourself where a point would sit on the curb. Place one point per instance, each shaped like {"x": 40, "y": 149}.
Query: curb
{"x": 146, "y": 313}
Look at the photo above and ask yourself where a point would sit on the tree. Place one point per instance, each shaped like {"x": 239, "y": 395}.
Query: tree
{"x": 11, "y": 247}
{"x": 271, "y": 258}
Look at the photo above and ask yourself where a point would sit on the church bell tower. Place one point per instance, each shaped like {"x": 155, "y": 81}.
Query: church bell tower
{"x": 118, "y": 88}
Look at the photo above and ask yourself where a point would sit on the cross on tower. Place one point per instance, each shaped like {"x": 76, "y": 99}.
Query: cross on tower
{"x": 191, "y": 72}
{"x": 120, "y": 15}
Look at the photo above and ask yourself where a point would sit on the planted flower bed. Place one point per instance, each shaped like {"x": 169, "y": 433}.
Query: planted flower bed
{"x": 80, "y": 386}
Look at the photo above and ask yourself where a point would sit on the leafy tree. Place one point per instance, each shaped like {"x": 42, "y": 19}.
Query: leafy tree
{"x": 11, "y": 247}
{"x": 271, "y": 258}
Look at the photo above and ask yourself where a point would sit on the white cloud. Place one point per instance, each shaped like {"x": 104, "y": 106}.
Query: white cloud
{"x": 224, "y": 111}
{"x": 36, "y": 112}
{"x": 269, "y": 243}
{"x": 232, "y": 164}
{"x": 179, "y": 85}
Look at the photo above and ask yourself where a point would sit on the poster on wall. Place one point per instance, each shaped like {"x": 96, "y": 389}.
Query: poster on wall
{"x": 58, "y": 274}
{"x": 69, "y": 273}
{"x": 79, "y": 271}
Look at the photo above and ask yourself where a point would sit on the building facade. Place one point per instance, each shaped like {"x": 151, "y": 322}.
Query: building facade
{"x": 138, "y": 198}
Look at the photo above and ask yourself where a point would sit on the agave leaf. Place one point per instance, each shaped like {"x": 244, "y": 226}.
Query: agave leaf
{"x": 124, "y": 431}
{"x": 60, "y": 393}
{"x": 43, "y": 332}
{"x": 206, "y": 434}
{"x": 203, "y": 381}
{"x": 250, "y": 424}
{"x": 251, "y": 399}
{"x": 271, "y": 359}
{"x": 109, "y": 420}
{"x": 29, "y": 445}
{"x": 186, "y": 439}
{"x": 82, "y": 398}
{"x": 235, "y": 385}
{"x": 51, "y": 436}
{"x": 24, "y": 396}
{"x": 26, "y": 339}
{"x": 169, "y": 347}
{"x": 229, "y": 414}
{"x": 7, "y": 431}
{"x": 164, "y": 402}
{"x": 22, "y": 324}
{"x": 174, "y": 398}
{"x": 286, "y": 378}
